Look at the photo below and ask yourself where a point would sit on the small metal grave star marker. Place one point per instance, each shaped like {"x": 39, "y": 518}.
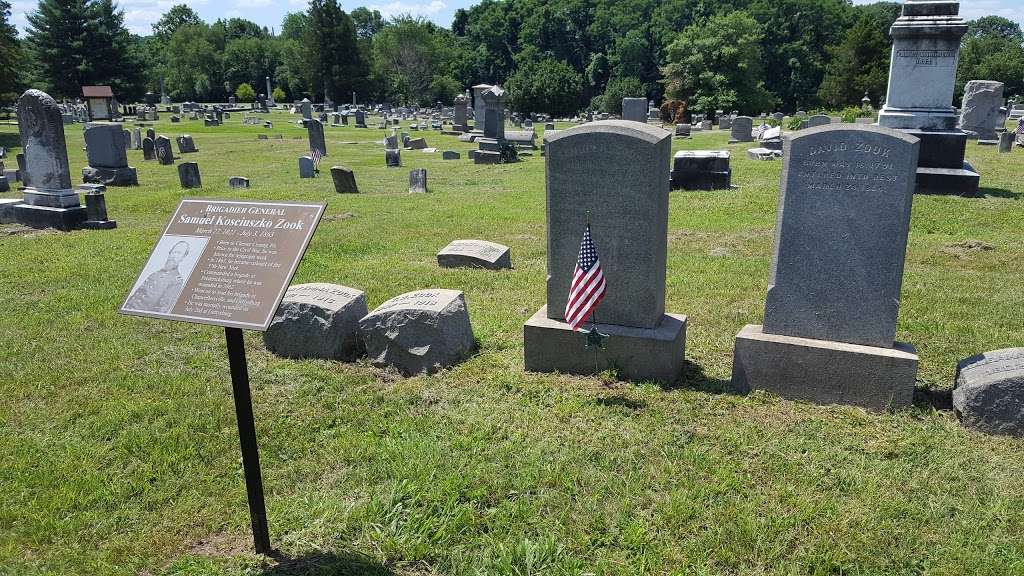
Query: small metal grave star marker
{"x": 595, "y": 339}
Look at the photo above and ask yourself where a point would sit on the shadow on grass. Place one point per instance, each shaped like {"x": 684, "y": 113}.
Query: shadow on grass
{"x": 935, "y": 398}
{"x": 325, "y": 564}
{"x": 997, "y": 193}
{"x": 693, "y": 377}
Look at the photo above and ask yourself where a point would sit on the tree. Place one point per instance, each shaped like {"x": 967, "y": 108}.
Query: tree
{"x": 406, "y": 56}
{"x": 550, "y": 86}
{"x": 11, "y": 56}
{"x": 717, "y": 65}
{"x": 178, "y": 16}
{"x": 245, "y": 93}
{"x": 859, "y": 64}
{"x": 57, "y": 35}
{"x": 279, "y": 95}
{"x": 193, "y": 63}
{"x": 368, "y": 22}
{"x": 992, "y": 49}
{"x": 332, "y": 57}
{"x": 112, "y": 52}
{"x": 619, "y": 88}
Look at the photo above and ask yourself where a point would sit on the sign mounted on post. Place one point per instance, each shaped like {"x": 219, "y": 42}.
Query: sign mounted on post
{"x": 228, "y": 263}
{"x": 224, "y": 262}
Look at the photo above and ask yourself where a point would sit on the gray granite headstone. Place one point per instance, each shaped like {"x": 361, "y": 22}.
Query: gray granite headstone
{"x": 164, "y": 153}
{"x": 188, "y": 175}
{"x": 475, "y": 254}
{"x": 982, "y": 100}
{"x": 616, "y": 169}
{"x": 450, "y": 155}
{"x": 315, "y": 128}
{"x": 742, "y": 130}
{"x": 1006, "y": 140}
{"x": 318, "y": 320}
{"x": 306, "y": 167}
{"x": 107, "y": 152}
{"x": 418, "y": 181}
{"x": 344, "y": 180}
{"x": 634, "y": 109}
{"x": 416, "y": 144}
{"x": 841, "y": 237}
{"x": 988, "y": 393}
{"x": 186, "y": 145}
{"x": 238, "y": 182}
{"x": 393, "y": 158}
{"x": 137, "y": 139}
{"x": 148, "y": 149}
{"x": 818, "y": 120}
{"x": 151, "y": 134}
{"x": 419, "y": 332}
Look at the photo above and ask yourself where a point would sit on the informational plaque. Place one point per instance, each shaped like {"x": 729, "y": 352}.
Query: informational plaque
{"x": 224, "y": 262}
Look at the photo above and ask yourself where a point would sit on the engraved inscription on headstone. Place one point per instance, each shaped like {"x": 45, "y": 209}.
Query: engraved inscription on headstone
{"x": 474, "y": 254}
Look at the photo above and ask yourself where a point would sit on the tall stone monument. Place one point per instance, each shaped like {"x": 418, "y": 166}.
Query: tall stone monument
{"x": 48, "y": 200}
{"x": 459, "y": 114}
{"x": 270, "y": 94}
{"x": 107, "y": 151}
{"x": 478, "y": 107}
{"x": 834, "y": 288}
{"x": 919, "y": 101}
{"x": 494, "y": 126}
{"x": 315, "y": 130}
{"x": 613, "y": 174}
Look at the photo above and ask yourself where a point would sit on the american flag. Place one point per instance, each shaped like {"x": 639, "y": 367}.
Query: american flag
{"x": 315, "y": 154}
{"x": 1020, "y": 132}
{"x": 588, "y": 285}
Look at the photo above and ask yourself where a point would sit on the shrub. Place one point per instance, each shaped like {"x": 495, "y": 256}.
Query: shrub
{"x": 245, "y": 93}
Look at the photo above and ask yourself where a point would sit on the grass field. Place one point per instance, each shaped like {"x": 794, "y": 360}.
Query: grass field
{"x": 119, "y": 451}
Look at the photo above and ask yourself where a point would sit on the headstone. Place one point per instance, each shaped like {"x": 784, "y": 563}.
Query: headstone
{"x": 474, "y": 254}
{"x": 306, "y": 108}
{"x": 742, "y": 130}
{"x": 982, "y": 100}
{"x": 615, "y": 170}
{"x": 344, "y": 180}
{"x": 1006, "y": 140}
{"x": 988, "y": 393}
{"x": 634, "y": 109}
{"x": 418, "y": 181}
{"x": 315, "y": 129}
{"x": 360, "y": 119}
{"x": 922, "y": 73}
{"x": 186, "y": 145}
{"x": 460, "y": 122}
{"x": 318, "y": 320}
{"x": 151, "y": 134}
{"x": 48, "y": 201}
{"x": 137, "y": 139}
{"x": 479, "y": 115}
{"x": 148, "y": 149}
{"x": 683, "y": 130}
{"x": 419, "y": 332}
{"x": 96, "y": 208}
{"x": 834, "y": 288}
{"x": 818, "y": 120}
{"x": 724, "y": 123}
{"x": 701, "y": 170}
{"x": 107, "y": 154}
{"x": 393, "y": 158}
{"x": 164, "y": 153}
{"x": 450, "y": 155}
{"x": 188, "y": 175}
{"x": 416, "y": 144}
{"x": 306, "y": 167}
{"x": 238, "y": 182}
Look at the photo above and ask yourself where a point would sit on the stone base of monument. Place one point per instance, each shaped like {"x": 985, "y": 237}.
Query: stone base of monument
{"x": 7, "y": 210}
{"x": 636, "y": 353}
{"x": 126, "y": 176}
{"x": 701, "y": 170}
{"x": 823, "y": 371}
{"x": 63, "y": 219}
{"x": 959, "y": 181}
{"x": 467, "y": 137}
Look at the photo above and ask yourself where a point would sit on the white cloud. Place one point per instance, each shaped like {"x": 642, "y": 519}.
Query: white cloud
{"x": 416, "y": 9}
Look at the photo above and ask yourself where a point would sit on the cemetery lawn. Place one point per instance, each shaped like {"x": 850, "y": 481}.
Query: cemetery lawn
{"x": 119, "y": 452}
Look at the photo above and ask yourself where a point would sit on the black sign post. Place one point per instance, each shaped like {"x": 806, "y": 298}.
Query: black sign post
{"x": 247, "y": 439}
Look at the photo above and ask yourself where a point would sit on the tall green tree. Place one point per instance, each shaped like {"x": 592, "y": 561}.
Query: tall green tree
{"x": 12, "y": 63}
{"x": 113, "y": 53}
{"x": 407, "y": 56}
{"x": 332, "y": 55}
{"x": 992, "y": 49}
{"x": 717, "y": 65}
{"x": 548, "y": 86}
{"x": 859, "y": 64}
{"x": 58, "y": 36}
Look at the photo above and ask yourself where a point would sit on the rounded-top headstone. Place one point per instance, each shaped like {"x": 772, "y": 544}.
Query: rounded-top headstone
{"x": 318, "y": 320}
{"x": 42, "y": 136}
{"x": 419, "y": 332}
{"x": 989, "y": 392}
{"x": 475, "y": 254}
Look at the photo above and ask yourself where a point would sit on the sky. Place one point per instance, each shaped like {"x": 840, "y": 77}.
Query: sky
{"x": 141, "y": 14}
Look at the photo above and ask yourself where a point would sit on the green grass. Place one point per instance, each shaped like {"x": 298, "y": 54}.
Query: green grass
{"x": 119, "y": 452}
